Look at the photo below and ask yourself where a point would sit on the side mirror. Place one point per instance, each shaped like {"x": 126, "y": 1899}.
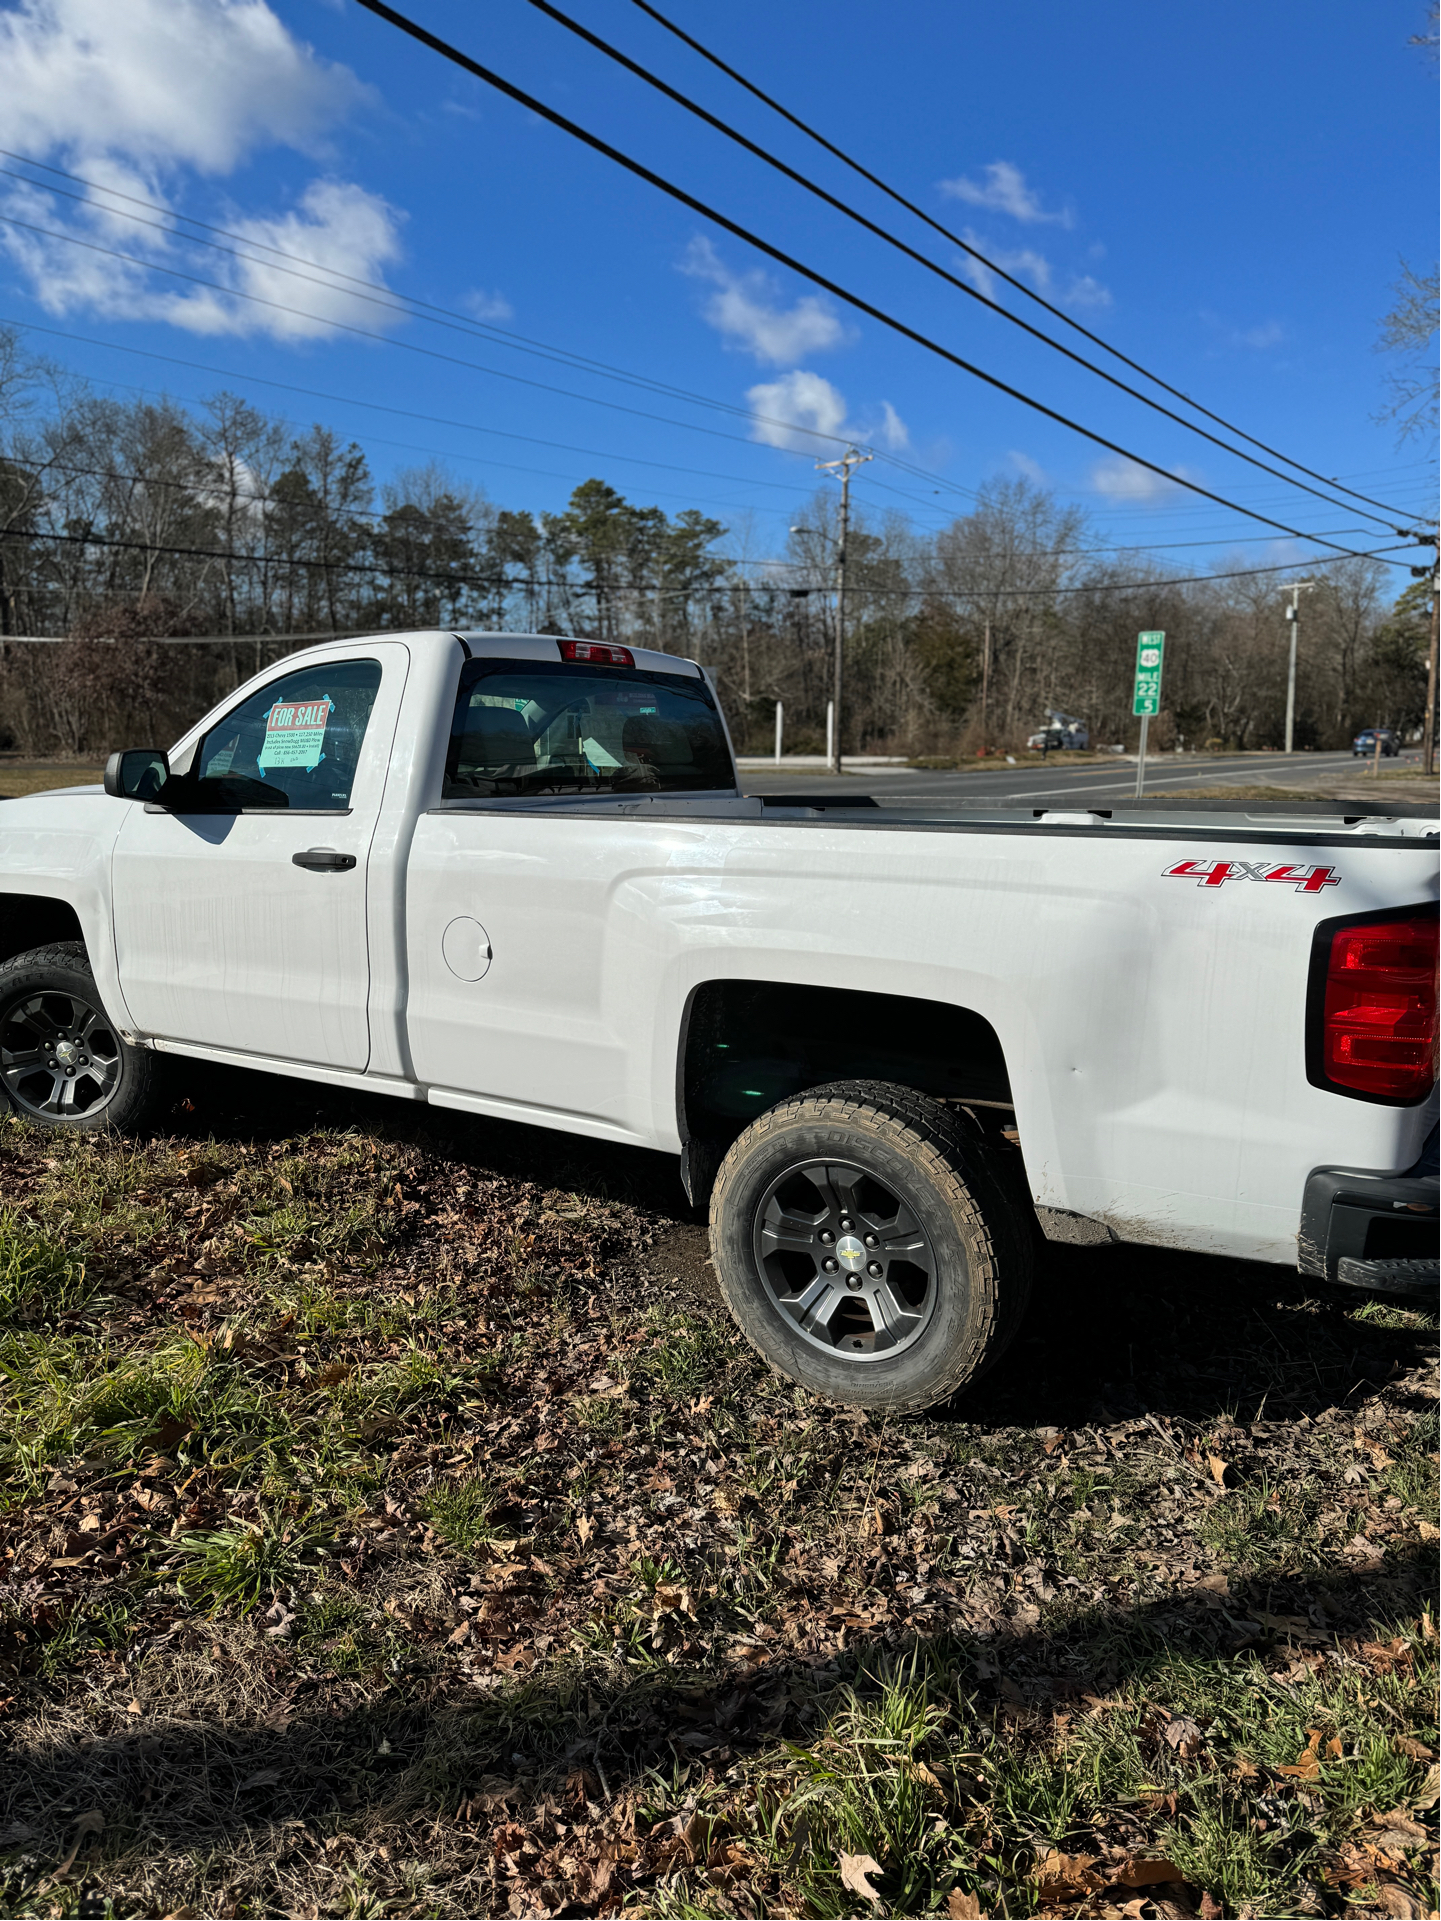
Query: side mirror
{"x": 137, "y": 773}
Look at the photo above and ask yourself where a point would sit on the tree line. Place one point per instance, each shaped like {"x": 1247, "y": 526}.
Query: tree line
{"x": 127, "y": 523}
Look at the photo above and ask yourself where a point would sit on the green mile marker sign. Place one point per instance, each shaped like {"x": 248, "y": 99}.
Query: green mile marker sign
{"x": 1149, "y": 648}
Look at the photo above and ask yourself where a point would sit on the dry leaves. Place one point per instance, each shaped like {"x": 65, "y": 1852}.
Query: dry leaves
{"x": 854, "y": 1870}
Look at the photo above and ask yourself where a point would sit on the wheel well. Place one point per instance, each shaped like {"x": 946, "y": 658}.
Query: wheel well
{"x": 748, "y": 1044}
{"x": 34, "y": 920}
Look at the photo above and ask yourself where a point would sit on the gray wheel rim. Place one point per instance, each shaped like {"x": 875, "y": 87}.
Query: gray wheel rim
{"x": 59, "y": 1056}
{"x": 846, "y": 1260}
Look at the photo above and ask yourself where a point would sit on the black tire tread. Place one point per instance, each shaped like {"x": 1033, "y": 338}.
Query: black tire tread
{"x": 926, "y": 1132}
{"x": 140, "y": 1074}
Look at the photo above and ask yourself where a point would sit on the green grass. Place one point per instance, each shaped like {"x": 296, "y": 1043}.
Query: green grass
{"x": 319, "y": 1526}
{"x": 913, "y": 1769}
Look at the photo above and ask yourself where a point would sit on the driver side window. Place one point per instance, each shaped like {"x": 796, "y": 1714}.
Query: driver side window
{"x": 294, "y": 743}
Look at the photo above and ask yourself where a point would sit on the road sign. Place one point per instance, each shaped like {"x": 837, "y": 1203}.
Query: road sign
{"x": 1149, "y": 649}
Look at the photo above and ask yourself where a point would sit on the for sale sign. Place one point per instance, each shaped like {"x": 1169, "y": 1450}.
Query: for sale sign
{"x": 295, "y": 733}
{"x": 1149, "y": 649}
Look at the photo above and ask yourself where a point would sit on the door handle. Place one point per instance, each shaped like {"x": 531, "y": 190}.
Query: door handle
{"x": 323, "y": 860}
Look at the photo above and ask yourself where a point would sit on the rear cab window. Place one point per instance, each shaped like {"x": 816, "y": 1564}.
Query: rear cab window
{"x": 562, "y": 727}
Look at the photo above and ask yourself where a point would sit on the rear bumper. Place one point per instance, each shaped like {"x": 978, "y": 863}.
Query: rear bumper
{"x": 1373, "y": 1230}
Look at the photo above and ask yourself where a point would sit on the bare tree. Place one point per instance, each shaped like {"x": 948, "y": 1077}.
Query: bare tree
{"x": 1409, "y": 330}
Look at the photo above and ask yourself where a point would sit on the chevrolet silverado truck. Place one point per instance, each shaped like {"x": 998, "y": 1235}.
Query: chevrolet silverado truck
{"x": 895, "y": 1046}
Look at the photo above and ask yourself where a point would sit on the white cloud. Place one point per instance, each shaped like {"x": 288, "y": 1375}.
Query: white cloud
{"x": 1123, "y": 481}
{"x": 131, "y": 96}
{"x": 792, "y": 404}
{"x": 1023, "y": 262}
{"x": 1004, "y": 190}
{"x": 744, "y": 312}
{"x": 1084, "y": 291}
{"x": 801, "y": 407}
{"x": 487, "y": 306}
{"x": 1258, "y": 339}
{"x": 1028, "y": 469}
{"x": 892, "y": 431}
{"x": 336, "y": 225}
{"x": 198, "y": 82}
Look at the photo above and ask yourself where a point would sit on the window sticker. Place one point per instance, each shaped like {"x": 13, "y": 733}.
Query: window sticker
{"x": 597, "y": 755}
{"x": 295, "y": 734}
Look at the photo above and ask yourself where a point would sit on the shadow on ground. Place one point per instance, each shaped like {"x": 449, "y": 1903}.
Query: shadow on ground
{"x": 280, "y": 1784}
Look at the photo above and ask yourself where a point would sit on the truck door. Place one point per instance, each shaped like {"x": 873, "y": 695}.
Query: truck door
{"x": 240, "y": 905}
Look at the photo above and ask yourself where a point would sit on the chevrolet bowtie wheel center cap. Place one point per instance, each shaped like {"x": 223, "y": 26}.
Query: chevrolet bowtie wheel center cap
{"x": 851, "y": 1253}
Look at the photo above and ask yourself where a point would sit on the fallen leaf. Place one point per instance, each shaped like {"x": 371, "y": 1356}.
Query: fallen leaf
{"x": 584, "y": 1527}
{"x": 1392, "y": 1898}
{"x": 1067, "y": 1877}
{"x": 1182, "y": 1734}
{"x": 1416, "y": 1750}
{"x": 1210, "y": 1908}
{"x": 854, "y": 1869}
{"x": 91, "y": 1822}
{"x": 1137, "y": 1873}
{"x": 1217, "y": 1469}
{"x": 1400, "y": 1823}
{"x": 962, "y": 1907}
{"x": 494, "y": 1791}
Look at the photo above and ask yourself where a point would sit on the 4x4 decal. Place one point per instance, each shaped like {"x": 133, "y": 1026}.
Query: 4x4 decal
{"x": 1215, "y": 873}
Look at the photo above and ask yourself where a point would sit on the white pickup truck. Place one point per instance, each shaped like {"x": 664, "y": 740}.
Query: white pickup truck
{"x": 895, "y": 1045}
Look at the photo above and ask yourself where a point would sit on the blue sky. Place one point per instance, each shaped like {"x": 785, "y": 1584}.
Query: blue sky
{"x": 1224, "y": 192}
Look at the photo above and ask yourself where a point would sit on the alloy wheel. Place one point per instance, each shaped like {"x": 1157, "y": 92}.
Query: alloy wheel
{"x": 846, "y": 1260}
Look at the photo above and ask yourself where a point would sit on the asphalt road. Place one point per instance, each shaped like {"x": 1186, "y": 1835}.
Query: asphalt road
{"x": 1093, "y": 780}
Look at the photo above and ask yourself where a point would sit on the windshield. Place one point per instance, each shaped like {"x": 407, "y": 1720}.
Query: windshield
{"x": 542, "y": 727}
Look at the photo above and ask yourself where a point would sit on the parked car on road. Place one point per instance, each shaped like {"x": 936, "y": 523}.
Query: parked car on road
{"x": 892, "y": 1045}
{"x": 1064, "y": 731}
{"x": 1365, "y": 741}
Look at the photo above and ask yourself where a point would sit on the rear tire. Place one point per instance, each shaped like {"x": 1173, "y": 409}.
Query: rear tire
{"x": 63, "y": 1063}
{"x": 866, "y": 1247}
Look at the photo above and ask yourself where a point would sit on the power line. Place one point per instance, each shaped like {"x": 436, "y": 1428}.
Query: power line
{"x": 990, "y": 265}
{"x": 503, "y": 582}
{"x": 411, "y": 346}
{"x": 1117, "y": 547}
{"x": 893, "y": 240}
{"x": 414, "y": 308}
{"x": 453, "y": 54}
{"x": 210, "y": 487}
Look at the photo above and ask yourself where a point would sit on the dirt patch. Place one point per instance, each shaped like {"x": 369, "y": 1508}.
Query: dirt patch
{"x": 681, "y": 1255}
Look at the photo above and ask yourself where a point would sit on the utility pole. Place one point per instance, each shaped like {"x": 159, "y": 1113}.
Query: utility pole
{"x": 850, "y": 458}
{"x": 1295, "y": 589}
{"x": 986, "y": 676}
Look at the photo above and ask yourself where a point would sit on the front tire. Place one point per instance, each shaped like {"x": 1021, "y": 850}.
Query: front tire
{"x": 867, "y": 1249}
{"x": 63, "y": 1062}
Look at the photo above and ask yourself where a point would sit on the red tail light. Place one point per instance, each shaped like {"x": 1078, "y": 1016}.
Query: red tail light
{"x": 596, "y": 653}
{"x": 1377, "y": 1025}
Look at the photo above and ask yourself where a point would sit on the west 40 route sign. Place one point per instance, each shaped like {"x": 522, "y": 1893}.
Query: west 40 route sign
{"x": 1149, "y": 649}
